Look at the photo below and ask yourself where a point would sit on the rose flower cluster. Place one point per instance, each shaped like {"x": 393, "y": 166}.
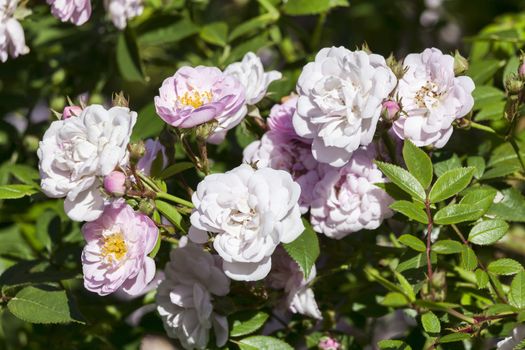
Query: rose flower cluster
{"x": 314, "y": 164}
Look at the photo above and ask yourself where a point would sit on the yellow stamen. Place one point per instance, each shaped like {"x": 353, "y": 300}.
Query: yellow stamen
{"x": 195, "y": 98}
{"x": 114, "y": 246}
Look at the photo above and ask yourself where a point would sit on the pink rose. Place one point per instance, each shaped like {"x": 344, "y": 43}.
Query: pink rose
{"x": 194, "y": 96}
{"x": 116, "y": 253}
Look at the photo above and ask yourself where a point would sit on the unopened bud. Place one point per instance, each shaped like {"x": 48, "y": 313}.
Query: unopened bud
{"x": 391, "y": 110}
{"x": 396, "y": 66}
{"x": 115, "y": 183}
{"x": 513, "y": 84}
{"x": 146, "y": 206}
{"x": 120, "y": 100}
{"x": 137, "y": 150}
{"x": 71, "y": 111}
{"x": 460, "y": 64}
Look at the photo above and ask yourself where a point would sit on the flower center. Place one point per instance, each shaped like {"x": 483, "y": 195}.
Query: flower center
{"x": 428, "y": 95}
{"x": 114, "y": 246}
{"x": 195, "y": 98}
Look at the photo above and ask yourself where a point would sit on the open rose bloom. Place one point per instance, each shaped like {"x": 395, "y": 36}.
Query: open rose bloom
{"x": 184, "y": 299}
{"x": 249, "y": 212}
{"x": 76, "y": 153}
{"x": 340, "y": 101}
{"x": 347, "y": 199}
{"x": 116, "y": 253}
{"x": 431, "y": 98}
{"x": 194, "y": 96}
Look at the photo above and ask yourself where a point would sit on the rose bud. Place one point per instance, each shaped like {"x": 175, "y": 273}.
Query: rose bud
{"x": 115, "y": 183}
{"x": 391, "y": 109}
{"x": 71, "y": 111}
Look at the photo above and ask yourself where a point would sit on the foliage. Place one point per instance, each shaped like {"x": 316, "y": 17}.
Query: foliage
{"x": 449, "y": 264}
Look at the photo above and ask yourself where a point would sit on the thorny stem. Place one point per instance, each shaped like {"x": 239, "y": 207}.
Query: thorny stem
{"x": 517, "y": 151}
{"x": 429, "y": 242}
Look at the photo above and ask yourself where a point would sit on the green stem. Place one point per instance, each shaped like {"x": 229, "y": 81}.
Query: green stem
{"x": 518, "y": 154}
{"x": 148, "y": 181}
{"x": 460, "y": 316}
{"x": 169, "y": 197}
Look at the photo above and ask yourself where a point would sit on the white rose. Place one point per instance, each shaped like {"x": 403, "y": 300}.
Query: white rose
{"x": 340, "y": 101}
{"x": 431, "y": 98}
{"x": 120, "y": 11}
{"x": 184, "y": 298}
{"x": 76, "y": 153}
{"x": 250, "y": 72}
{"x": 12, "y": 38}
{"x": 250, "y": 212}
{"x": 287, "y": 275}
{"x": 347, "y": 200}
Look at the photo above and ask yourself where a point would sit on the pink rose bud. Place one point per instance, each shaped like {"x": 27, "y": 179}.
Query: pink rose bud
{"x": 391, "y": 108}
{"x": 70, "y": 111}
{"x": 521, "y": 70}
{"x": 328, "y": 343}
{"x": 114, "y": 183}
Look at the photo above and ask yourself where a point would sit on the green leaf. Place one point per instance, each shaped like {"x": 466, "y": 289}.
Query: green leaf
{"x": 413, "y": 242}
{"x": 149, "y": 124}
{"x": 431, "y": 323}
{"x": 169, "y": 34}
{"x": 511, "y": 207}
{"x": 128, "y": 57}
{"x": 411, "y": 210}
{"x": 447, "y": 246}
{"x": 418, "y": 163}
{"x": 456, "y": 213}
{"x": 486, "y": 95}
{"x": 517, "y": 291}
{"x": 37, "y": 305}
{"x": 407, "y": 288}
{"x": 263, "y": 342}
{"x": 481, "y": 198}
{"x": 482, "y": 279}
{"x": 16, "y": 191}
{"x": 478, "y": 163}
{"x": 171, "y": 213}
{"x": 403, "y": 179}
{"x": 254, "y": 24}
{"x": 468, "y": 261}
{"x": 305, "y": 249}
{"x": 24, "y": 173}
{"x": 215, "y": 33}
{"x": 450, "y": 183}
{"x": 175, "y": 169}
{"x": 394, "y": 299}
{"x": 247, "y": 322}
{"x": 453, "y": 337}
{"x": 504, "y": 267}
{"x": 483, "y": 70}
{"x": 393, "y": 345}
{"x": 306, "y": 7}
{"x": 452, "y": 163}
{"x": 488, "y": 232}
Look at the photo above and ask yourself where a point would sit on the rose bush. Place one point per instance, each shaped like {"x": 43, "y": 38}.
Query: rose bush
{"x": 193, "y": 174}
